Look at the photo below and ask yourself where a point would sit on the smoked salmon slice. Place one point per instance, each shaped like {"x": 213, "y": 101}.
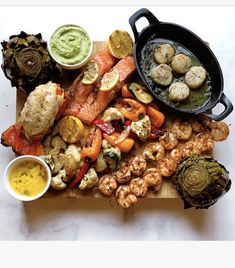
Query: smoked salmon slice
{"x": 79, "y": 91}
{"x": 97, "y": 102}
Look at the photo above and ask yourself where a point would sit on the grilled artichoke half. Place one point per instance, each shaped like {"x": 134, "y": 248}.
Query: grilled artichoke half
{"x": 27, "y": 62}
{"x": 201, "y": 181}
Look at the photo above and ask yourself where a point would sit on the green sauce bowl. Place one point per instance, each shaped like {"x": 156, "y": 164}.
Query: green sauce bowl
{"x": 70, "y": 46}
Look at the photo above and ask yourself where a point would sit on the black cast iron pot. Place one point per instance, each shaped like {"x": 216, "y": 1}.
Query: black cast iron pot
{"x": 193, "y": 43}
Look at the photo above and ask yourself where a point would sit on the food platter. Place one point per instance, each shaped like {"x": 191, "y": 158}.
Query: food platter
{"x": 86, "y": 110}
{"x": 167, "y": 190}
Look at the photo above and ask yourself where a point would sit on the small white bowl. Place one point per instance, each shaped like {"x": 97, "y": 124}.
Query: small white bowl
{"x": 22, "y": 159}
{"x": 71, "y": 66}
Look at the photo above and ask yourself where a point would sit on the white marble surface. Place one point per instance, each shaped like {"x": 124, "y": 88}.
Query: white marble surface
{"x": 90, "y": 219}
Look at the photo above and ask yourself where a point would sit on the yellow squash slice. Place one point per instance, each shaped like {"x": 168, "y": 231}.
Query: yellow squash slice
{"x": 71, "y": 129}
{"x": 109, "y": 80}
{"x": 120, "y": 44}
{"x": 91, "y": 73}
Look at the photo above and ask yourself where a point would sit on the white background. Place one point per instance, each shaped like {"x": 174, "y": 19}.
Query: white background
{"x": 95, "y": 219}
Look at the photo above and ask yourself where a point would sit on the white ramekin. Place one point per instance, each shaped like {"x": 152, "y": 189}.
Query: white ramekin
{"x": 22, "y": 159}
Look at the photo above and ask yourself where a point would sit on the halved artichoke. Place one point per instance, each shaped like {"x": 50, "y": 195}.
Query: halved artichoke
{"x": 27, "y": 62}
{"x": 201, "y": 181}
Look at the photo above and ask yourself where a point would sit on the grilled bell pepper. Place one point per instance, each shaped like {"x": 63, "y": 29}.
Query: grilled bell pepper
{"x": 157, "y": 118}
{"x": 105, "y": 126}
{"x": 126, "y": 92}
{"x": 131, "y": 109}
{"x": 80, "y": 175}
{"x": 155, "y": 135}
{"x": 92, "y": 145}
{"x": 125, "y": 146}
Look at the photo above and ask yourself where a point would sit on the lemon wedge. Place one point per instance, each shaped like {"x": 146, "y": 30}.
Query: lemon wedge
{"x": 109, "y": 80}
{"x": 91, "y": 73}
{"x": 120, "y": 44}
{"x": 71, "y": 129}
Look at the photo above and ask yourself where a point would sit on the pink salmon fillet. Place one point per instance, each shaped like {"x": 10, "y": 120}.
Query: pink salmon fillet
{"x": 79, "y": 91}
{"x": 97, "y": 102}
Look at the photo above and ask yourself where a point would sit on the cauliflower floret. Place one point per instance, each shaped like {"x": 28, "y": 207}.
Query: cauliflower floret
{"x": 55, "y": 161}
{"x": 90, "y": 179}
{"x": 73, "y": 160}
{"x": 57, "y": 182}
{"x": 112, "y": 114}
{"x": 105, "y": 144}
{"x": 142, "y": 128}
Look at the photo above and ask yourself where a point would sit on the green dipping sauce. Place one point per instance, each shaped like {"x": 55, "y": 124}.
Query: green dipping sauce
{"x": 70, "y": 45}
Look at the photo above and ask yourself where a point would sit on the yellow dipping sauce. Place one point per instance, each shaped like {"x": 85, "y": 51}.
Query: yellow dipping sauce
{"x": 28, "y": 178}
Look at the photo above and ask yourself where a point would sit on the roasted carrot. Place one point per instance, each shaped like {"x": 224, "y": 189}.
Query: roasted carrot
{"x": 154, "y": 105}
{"x": 125, "y": 146}
{"x": 157, "y": 118}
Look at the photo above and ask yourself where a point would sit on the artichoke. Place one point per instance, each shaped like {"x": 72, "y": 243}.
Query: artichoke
{"x": 201, "y": 181}
{"x": 27, "y": 62}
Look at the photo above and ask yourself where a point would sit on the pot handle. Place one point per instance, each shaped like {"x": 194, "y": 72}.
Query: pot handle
{"x": 228, "y": 109}
{"x": 143, "y": 12}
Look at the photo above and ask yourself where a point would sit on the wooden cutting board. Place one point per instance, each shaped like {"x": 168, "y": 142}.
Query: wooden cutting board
{"x": 167, "y": 190}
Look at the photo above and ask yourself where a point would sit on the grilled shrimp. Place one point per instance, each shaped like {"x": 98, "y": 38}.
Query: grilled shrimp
{"x": 182, "y": 130}
{"x": 125, "y": 197}
{"x": 168, "y": 141}
{"x": 139, "y": 187}
{"x": 153, "y": 178}
{"x": 167, "y": 166}
{"x": 153, "y": 151}
{"x": 107, "y": 184}
{"x": 202, "y": 143}
{"x": 191, "y": 148}
{"x": 176, "y": 154}
{"x": 138, "y": 165}
{"x": 200, "y": 123}
{"x": 205, "y": 141}
{"x": 123, "y": 175}
{"x": 197, "y": 124}
{"x": 206, "y": 121}
{"x": 219, "y": 131}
